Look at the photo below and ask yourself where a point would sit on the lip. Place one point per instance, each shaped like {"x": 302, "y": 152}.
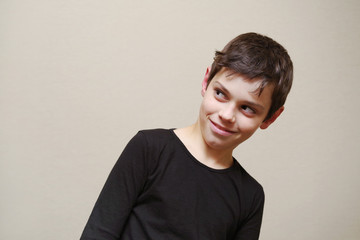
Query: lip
{"x": 220, "y": 129}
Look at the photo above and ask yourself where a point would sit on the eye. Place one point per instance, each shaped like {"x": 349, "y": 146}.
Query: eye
{"x": 248, "y": 110}
{"x": 219, "y": 94}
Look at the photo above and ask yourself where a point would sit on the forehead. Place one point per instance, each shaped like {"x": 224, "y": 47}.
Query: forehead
{"x": 227, "y": 76}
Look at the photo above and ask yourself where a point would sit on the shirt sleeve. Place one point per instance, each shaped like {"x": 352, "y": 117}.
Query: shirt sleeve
{"x": 119, "y": 194}
{"x": 250, "y": 229}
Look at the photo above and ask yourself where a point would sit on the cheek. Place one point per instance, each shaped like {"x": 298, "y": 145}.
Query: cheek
{"x": 209, "y": 106}
{"x": 248, "y": 124}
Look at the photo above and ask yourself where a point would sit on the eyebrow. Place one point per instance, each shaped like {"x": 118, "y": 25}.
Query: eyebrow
{"x": 252, "y": 104}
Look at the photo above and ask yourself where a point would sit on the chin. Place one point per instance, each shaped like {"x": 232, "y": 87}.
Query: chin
{"x": 221, "y": 143}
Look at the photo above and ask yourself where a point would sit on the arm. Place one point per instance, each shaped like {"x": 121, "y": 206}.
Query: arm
{"x": 250, "y": 228}
{"x": 119, "y": 194}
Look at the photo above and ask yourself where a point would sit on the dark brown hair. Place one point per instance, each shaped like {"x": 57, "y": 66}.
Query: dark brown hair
{"x": 258, "y": 57}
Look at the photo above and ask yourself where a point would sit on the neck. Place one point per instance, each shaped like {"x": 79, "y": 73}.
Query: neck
{"x": 192, "y": 138}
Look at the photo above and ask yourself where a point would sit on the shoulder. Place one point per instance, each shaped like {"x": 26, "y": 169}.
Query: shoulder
{"x": 156, "y": 133}
{"x": 251, "y": 194}
{"x": 155, "y": 136}
{"x": 148, "y": 139}
{"x": 154, "y": 140}
{"x": 248, "y": 182}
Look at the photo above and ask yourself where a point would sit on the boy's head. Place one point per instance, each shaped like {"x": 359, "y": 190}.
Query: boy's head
{"x": 258, "y": 57}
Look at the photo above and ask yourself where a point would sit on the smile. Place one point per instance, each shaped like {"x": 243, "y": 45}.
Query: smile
{"x": 219, "y": 129}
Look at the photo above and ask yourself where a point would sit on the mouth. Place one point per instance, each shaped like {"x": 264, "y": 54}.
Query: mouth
{"x": 220, "y": 129}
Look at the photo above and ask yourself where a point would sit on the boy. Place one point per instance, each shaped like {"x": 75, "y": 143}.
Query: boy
{"x": 184, "y": 183}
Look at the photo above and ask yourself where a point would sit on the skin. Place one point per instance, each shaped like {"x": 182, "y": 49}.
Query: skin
{"x": 231, "y": 111}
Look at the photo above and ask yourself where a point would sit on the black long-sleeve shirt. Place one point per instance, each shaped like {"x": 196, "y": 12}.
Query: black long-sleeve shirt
{"x": 158, "y": 190}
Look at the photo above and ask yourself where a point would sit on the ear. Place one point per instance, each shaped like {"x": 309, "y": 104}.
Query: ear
{"x": 205, "y": 81}
{"x": 268, "y": 122}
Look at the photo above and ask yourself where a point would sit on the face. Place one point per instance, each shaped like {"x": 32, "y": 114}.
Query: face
{"x": 232, "y": 110}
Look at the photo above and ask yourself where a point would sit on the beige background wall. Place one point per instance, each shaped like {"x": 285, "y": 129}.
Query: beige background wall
{"x": 79, "y": 78}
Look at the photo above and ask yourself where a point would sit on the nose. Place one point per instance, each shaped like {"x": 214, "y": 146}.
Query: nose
{"x": 227, "y": 113}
